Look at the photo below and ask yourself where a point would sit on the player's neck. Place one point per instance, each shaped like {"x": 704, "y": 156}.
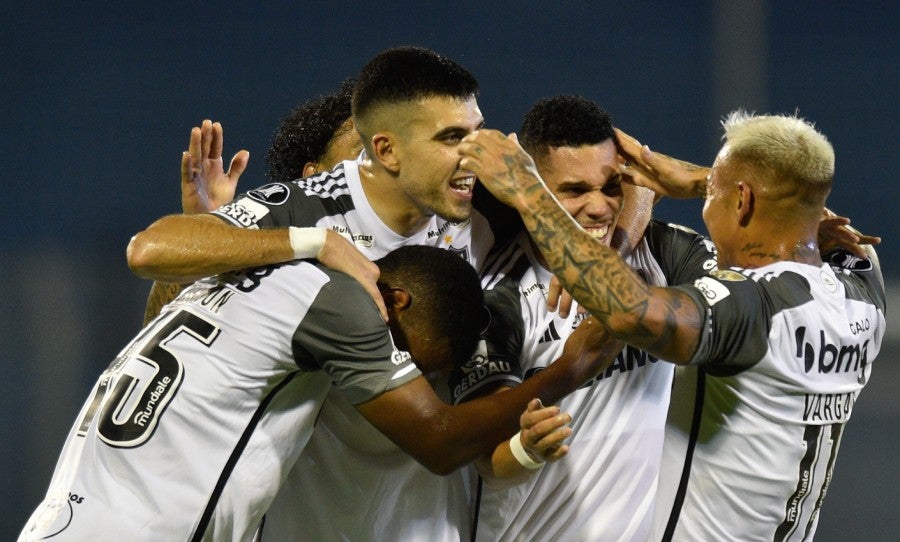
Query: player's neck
{"x": 393, "y": 207}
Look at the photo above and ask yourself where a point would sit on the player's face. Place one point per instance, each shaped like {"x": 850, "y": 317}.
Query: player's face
{"x": 429, "y": 162}
{"x": 587, "y": 182}
{"x": 719, "y": 208}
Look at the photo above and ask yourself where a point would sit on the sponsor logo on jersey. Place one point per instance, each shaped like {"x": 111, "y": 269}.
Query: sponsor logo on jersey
{"x": 438, "y": 232}
{"x": 272, "y": 194}
{"x": 480, "y": 368}
{"x": 629, "y": 359}
{"x": 825, "y": 357}
{"x": 399, "y": 357}
{"x": 713, "y": 291}
{"x": 728, "y": 275}
{"x": 536, "y": 287}
{"x": 244, "y": 211}
{"x": 363, "y": 240}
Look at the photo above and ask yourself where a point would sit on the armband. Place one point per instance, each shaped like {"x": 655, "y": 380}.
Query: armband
{"x": 306, "y": 242}
{"x": 522, "y": 456}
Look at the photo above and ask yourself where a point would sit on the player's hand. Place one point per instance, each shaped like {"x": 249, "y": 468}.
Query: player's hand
{"x": 558, "y": 298}
{"x": 340, "y": 254}
{"x": 835, "y": 232}
{"x": 589, "y": 350}
{"x": 543, "y": 430}
{"x": 663, "y": 174}
{"x": 501, "y": 164}
{"x": 205, "y": 185}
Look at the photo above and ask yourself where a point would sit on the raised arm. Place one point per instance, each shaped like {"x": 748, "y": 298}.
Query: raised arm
{"x": 179, "y": 249}
{"x": 665, "y": 322}
{"x": 443, "y": 437}
{"x": 663, "y": 174}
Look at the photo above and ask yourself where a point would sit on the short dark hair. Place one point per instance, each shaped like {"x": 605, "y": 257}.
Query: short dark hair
{"x": 446, "y": 294}
{"x": 303, "y": 136}
{"x": 564, "y": 121}
{"x": 404, "y": 74}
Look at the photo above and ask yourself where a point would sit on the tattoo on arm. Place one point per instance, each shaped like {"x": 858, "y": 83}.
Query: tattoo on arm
{"x": 663, "y": 321}
{"x": 160, "y": 294}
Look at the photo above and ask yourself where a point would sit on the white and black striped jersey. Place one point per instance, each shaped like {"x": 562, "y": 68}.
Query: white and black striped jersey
{"x": 335, "y": 199}
{"x": 605, "y": 488}
{"x": 191, "y": 430}
{"x": 365, "y": 487}
{"x": 757, "y": 417}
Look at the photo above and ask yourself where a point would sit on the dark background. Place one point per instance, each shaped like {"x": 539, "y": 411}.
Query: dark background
{"x": 98, "y": 99}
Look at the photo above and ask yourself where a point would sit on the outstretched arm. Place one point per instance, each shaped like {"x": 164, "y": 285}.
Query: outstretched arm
{"x": 665, "y": 322}
{"x": 179, "y": 249}
{"x": 443, "y": 437}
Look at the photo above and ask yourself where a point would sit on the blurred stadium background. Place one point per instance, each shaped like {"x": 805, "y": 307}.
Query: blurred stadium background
{"x": 98, "y": 100}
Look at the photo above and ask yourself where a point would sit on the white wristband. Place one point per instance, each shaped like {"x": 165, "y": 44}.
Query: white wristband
{"x": 306, "y": 242}
{"x": 523, "y": 457}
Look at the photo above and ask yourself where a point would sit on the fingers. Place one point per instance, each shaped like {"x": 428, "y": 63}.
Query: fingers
{"x": 547, "y": 430}
{"x": 553, "y": 292}
{"x": 238, "y": 164}
{"x": 216, "y": 142}
{"x": 194, "y": 146}
{"x": 205, "y": 138}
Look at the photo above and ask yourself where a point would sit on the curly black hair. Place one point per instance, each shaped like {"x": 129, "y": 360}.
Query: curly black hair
{"x": 304, "y": 134}
{"x": 564, "y": 121}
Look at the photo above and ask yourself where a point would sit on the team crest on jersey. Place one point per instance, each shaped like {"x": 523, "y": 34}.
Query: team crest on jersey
{"x": 728, "y": 275}
{"x": 272, "y": 194}
{"x": 463, "y": 252}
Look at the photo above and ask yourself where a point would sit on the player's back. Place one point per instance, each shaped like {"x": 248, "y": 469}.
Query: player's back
{"x": 186, "y": 431}
{"x": 755, "y": 454}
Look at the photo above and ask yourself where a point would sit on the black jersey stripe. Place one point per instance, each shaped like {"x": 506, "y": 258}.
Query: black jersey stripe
{"x": 478, "y": 492}
{"x": 793, "y": 507}
{"x": 235, "y": 456}
{"x": 688, "y": 457}
{"x": 837, "y": 430}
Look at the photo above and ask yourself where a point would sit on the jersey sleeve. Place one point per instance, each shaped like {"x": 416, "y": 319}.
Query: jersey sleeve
{"x": 496, "y": 361}
{"x": 867, "y": 283}
{"x": 344, "y": 335}
{"x": 684, "y": 254}
{"x": 275, "y": 205}
{"x": 737, "y": 315}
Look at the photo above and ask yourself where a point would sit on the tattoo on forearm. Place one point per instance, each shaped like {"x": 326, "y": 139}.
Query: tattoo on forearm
{"x": 604, "y": 284}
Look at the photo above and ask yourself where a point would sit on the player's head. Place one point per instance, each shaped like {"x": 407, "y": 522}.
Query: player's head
{"x": 412, "y": 107}
{"x": 772, "y": 169}
{"x": 314, "y": 137}
{"x": 435, "y": 304}
{"x": 572, "y": 142}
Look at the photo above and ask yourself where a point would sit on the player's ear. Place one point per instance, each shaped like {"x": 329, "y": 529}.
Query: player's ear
{"x": 385, "y": 149}
{"x": 746, "y": 201}
{"x": 309, "y": 168}
{"x": 396, "y": 299}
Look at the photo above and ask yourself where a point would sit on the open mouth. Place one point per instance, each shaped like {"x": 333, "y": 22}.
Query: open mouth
{"x": 598, "y": 232}
{"x": 463, "y": 185}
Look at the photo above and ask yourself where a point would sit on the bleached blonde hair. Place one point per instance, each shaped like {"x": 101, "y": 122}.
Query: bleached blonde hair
{"x": 787, "y": 145}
